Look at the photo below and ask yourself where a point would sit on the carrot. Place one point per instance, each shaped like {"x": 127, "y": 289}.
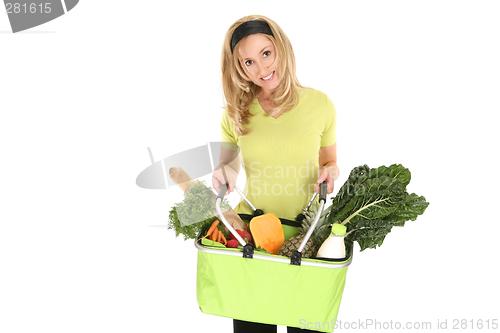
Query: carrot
{"x": 223, "y": 239}
{"x": 216, "y": 234}
{"x": 212, "y": 228}
{"x": 219, "y": 236}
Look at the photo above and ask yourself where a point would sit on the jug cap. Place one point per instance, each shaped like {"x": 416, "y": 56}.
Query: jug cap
{"x": 338, "y": 229}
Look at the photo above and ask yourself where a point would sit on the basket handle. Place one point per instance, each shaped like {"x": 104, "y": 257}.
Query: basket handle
{"x": 247, "y": 247}
{"x": 297, "y": 255}
{"x": 256, "y": 212}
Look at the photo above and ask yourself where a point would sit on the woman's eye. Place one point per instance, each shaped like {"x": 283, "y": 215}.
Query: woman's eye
{"x": 267, "y": 53}
{"x": 248, "y": 62}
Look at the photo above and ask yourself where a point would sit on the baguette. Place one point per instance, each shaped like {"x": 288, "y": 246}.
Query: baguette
{"x": 180, "y": 178}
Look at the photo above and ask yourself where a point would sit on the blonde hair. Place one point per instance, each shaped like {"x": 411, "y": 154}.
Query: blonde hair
{"x": 240, "y": 91}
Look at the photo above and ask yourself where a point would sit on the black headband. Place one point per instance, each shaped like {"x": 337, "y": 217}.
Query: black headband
{"x": 249, "y": 28}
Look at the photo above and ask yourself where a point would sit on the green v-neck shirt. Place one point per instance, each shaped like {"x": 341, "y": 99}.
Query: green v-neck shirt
{"x": 280, "y": 156}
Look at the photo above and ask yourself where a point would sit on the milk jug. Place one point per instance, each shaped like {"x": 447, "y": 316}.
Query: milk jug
{"x": 334, "y": 247}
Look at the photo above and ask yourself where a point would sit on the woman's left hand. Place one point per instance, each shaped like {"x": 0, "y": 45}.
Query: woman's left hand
{"x": 328, "y": 170}
{"x": 328, "y": 174}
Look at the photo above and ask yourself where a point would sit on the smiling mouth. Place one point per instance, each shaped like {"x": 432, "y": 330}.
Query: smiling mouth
{"x": 269, "y": 77}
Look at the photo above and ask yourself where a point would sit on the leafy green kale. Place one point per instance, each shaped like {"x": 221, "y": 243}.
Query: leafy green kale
{"x": 196, "y": 211}
{"x": 372, "y": 201}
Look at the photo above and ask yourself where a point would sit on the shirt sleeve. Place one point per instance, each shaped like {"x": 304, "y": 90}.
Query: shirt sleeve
{"x": 329, "y": 135}
{"x": 227, "y": 132}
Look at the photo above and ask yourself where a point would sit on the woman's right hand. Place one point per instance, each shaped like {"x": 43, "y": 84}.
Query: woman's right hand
{"x": 224, "y": 174}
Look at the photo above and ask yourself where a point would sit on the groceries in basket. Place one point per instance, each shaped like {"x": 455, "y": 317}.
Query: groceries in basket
{"x": 367, "y": 206}
{"x": 266, "y": 236}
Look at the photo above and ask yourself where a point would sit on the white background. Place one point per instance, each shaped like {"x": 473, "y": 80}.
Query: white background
{"x": 83, "y": 249}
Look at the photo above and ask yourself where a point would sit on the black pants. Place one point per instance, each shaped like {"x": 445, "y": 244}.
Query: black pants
{"x": 249, "y": 327}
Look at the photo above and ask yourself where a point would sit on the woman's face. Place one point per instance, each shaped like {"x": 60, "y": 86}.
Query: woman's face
{"x": 257, "y": 55}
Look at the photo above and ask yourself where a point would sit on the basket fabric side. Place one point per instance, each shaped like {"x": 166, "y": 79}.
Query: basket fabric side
{"x": 269, "y": 292}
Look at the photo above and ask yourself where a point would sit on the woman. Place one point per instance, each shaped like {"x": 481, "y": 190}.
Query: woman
{"x": 285, "y": 132}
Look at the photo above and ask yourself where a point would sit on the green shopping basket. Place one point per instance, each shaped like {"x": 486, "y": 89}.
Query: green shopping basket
{"x": 266, "y": 288}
